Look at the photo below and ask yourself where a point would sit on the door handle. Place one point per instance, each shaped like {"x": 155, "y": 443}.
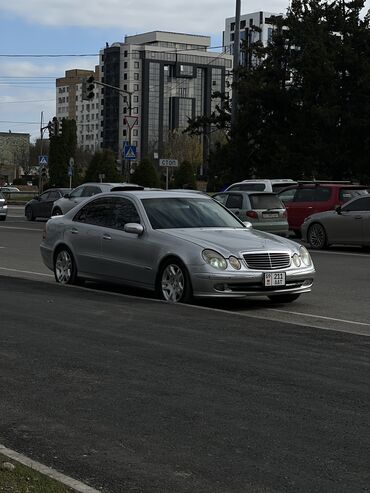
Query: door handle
{"x": 107, "y": 237}
{"x": 74, "y": 231}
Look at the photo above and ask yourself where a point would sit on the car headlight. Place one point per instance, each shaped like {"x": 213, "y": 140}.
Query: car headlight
{"x": 214, "y": 259}
{"x": 305, "y": 256}
{"x": 235, "y": 263}
{"x": 296, "y": 260}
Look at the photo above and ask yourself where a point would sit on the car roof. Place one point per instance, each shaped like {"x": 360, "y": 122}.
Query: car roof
{"x": 149, "y": 194}
{"x": 246, "y": 192}
{"x": 324, "y": 184}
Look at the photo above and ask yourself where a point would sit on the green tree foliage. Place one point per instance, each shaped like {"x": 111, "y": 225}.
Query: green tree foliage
{"x": 184, "y": 176}
{"x": 145, "y": 174}
{"x": 304, "y": 100}
{"x": 103, "y": 163}
{"x": 61, "y": 149}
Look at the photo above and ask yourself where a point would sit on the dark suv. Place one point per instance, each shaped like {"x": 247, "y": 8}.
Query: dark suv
{"x": 305, "y": 199}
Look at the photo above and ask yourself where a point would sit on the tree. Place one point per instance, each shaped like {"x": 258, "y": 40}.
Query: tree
{"x": 145, "y": 174}
{"x": 304, "y": 100}
{"x": 185, "y": 176}
{"x": 183, "y": 147}
{"x": 103, "y": 163}
{"x": 61, "y": 149}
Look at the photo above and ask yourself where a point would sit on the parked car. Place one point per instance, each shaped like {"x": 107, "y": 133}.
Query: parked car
{"x": 9, "y": 189}
{"x": 274, "y": 185}
{"x": 3, "y": 207}
{"x": 307, "y": 198}
{"x": 175, "y": 243}
{"x": 348, "y": 225}
{"x": 84, "y": 191}
{"x": 41, "y": 205}
{"x": 263, "y": 209}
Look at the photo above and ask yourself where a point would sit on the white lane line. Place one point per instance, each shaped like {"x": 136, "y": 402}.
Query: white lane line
{"x": 348, "y": 254}
{"x": 26, "y": 272}
{"x": 21, "y": 229}
{"x": 47, "y": 471}
{"x": 318, "y": 316}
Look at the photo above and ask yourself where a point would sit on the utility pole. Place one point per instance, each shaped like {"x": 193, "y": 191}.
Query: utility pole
{"x": 236, "y": 63}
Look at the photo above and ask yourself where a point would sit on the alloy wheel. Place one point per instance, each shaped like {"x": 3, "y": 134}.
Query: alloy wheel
{"x": 63, "y": 267}
{"x": 317, "y": 236}
{"x": 173, "y": 283}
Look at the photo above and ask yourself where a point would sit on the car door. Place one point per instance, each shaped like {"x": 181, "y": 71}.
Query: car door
{"x": 128, "y": 257}
{"x": 40, "y": 204}
{"x": 47, "y": 204}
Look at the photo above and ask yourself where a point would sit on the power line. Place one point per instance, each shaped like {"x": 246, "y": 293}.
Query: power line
{"x": 29, "y": 101}
{"x": 28, "y": 123}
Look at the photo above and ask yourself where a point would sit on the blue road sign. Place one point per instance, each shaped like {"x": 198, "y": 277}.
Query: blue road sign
{"x": 129, "y": 152}
{"x": 43, "y": 160}
{"x": 70, "y": 171}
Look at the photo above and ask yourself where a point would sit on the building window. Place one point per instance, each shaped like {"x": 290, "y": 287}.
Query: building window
{"x": 125, "y": 53}
{"x": 124, "y": 64}
{"x": 136, "y": 99}
{"x": 135, "y": 132}
{"x": 125, "y": 76}
{"x": 135, "y": 110}
{"x": 136, "y": 87}
{"x": 136, "y": 64}
{"x": 232, "y": 26}
{"x": 125, "y": 87}
{"x": 124, "y": 132}
{"x": 136, "y": 76}
{"x": 242, "y": 24}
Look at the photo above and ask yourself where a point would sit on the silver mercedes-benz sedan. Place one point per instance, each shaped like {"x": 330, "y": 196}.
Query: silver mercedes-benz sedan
{"x": 179, "y": 244}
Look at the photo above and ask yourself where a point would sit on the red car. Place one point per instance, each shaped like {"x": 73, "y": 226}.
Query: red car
{"x": 304, "y": 199}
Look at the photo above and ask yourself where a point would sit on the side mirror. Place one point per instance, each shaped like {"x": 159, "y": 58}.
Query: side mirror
{"x": 37, "y": 197}
{"x": 338, "y": 209}
{"x": 133, "y": 228}
{"x": 67, "y": 196}
{"x": 248, "y": 224}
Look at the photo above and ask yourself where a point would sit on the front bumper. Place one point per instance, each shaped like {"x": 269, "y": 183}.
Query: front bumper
{"x": 249, "y": 284}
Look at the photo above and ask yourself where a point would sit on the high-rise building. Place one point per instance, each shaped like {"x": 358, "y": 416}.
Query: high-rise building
{"x": 70, "y": 105}
{"x": 168, "y": 78}
{"x": 262, "y": 20}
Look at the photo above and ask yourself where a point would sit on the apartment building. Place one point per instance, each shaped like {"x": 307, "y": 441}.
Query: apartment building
{"x": 260, "y": 19}
{"x": 167, "y": 78}
{"x": 69, "y": 105}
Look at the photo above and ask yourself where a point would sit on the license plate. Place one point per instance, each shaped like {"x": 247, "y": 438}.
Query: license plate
{"x": 269, "y": 215}
{"x": 274, "y": 279}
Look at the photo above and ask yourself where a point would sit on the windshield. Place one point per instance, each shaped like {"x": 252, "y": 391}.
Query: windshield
{"x": 171, "y": 213}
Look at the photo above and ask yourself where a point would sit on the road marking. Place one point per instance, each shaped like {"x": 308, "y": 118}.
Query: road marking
{"x": 26, "y": 272}
{"x": 47, "y": 471}
{"x": 21, "y": 229}
{"x": 318, "y": 316}
{"x": 349, "y": 254}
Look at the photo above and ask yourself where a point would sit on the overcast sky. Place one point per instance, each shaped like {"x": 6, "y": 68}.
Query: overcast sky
{"x": 41, "y": 27}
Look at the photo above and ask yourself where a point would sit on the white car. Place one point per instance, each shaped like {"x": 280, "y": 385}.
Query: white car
{"x": 274, "y": 185}
{"x": 3, "y": 207}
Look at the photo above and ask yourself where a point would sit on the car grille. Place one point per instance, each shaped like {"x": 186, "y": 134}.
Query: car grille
{"x": 267, "y": 260}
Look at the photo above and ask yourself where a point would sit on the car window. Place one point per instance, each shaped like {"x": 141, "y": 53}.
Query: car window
{"x": 288, "y": 195}
{"x": 322, "y": 194}
{"x": 77, "y": 192}
{"x": 265, "y": 201}
{"x": 2, "y": 196}
{"x": 90, "y": 190}
{"x": 253, "y": 187}
{"x": 361, "y": 204}
{"x": 171, "y": 213}
{"x": 346, "y": 194}
{"x": 54, "y": 195}
{"x": 276, "y": 187}
{"x": 44, "y": 196}
{"x": 304, "y": 195}
{"x": 124, "y": 212}
{"x": 98, "y": 212}
{"x": 234, "y": 201}
{"x": 221, "y": 198}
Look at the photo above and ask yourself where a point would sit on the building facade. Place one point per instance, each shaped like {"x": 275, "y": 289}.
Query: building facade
{"x": 14, "y": 155}
{"x": 262, "y": 20}
{"x": 69, "y": 105}
{"x": 167, "y": 78}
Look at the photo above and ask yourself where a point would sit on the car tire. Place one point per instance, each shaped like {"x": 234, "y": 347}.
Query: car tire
{"x": 173, "y": 282}
{"x": 29, "y": 214}
{"x": 284, "y": 298}
{"x": 57, "y": 212}
{"x": 65, "y": 270}
{"x": 316, "y": 236}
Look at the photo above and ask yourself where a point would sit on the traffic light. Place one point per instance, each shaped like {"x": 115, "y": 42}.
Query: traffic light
{"x": 43, "y": 172}
{"x": 51, "y": 129}
{"x": 88, "y": 86}
{"x": 55, "y": 124}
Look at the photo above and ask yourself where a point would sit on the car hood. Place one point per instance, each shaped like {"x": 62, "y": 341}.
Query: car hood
{"x": 226, "y": 240}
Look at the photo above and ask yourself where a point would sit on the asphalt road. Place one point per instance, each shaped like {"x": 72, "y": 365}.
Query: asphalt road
{"x": 134, "y": 395}
{"x": 129, "y": 394}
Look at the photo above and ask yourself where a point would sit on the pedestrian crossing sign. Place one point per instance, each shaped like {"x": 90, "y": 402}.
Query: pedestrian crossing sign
{"x": 129, "y": 152}
{"x": 43, "y": 160}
